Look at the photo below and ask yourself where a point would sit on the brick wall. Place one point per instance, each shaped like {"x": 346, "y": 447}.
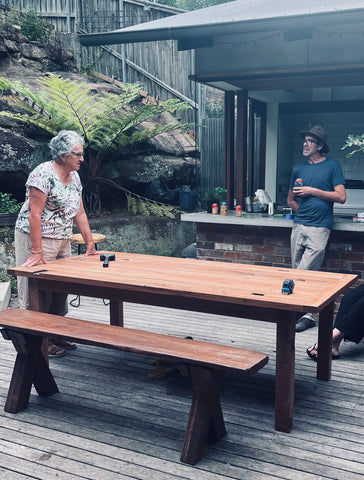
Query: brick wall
{"x": 270, "y": 246}
{"x": 242, "y": 244}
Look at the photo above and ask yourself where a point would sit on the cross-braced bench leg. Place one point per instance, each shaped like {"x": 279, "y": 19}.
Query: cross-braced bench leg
{"x": 30, "y": 369}
{"x": 205, "y": 421}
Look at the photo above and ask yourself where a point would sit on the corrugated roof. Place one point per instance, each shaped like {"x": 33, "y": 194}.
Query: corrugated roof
{"x": 232, "y": 17}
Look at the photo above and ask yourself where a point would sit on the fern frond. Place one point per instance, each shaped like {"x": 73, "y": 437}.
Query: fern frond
{"x": 138, "y": 204}
{"x": 143, "y": 208}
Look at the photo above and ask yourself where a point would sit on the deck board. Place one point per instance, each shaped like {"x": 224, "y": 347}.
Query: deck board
{"x": 110, "y": 420}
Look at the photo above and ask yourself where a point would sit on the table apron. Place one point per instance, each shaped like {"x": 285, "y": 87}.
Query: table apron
{"x": 195, "y": 304}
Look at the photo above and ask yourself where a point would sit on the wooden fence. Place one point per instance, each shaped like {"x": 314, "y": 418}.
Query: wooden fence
{"x": 94, "y": 15}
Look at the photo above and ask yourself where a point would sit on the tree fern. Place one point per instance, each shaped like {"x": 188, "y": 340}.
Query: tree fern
{"x": 108, "y": 121}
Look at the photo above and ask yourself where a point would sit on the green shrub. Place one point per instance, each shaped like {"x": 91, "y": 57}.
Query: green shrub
{"x": 8, "y": 204}
{"x": 33, "y": 26}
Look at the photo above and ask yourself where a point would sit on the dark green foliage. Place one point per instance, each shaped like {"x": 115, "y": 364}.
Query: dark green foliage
{"x": 8, "y": 204}
{"x": 217, "y": 195}
{"x": 192, "y": 4}
{"x": 214, "y": 111}
{"x": 33, "y": 26}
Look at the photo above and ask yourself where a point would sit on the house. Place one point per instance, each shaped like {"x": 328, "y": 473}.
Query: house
{"x": 292, "y": 65}
{"x": 283, "y": 67}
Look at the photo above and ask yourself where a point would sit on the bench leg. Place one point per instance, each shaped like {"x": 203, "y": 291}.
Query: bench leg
{"x": 30, "y": 368}
{"x": 205, "y": 421}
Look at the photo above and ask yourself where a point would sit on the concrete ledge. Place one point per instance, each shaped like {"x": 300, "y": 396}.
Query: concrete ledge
{"x": 5, "y": 292}
{"x": 264, "y": 220}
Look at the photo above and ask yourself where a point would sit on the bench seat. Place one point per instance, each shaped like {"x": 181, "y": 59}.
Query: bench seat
{"x": 202, "y": 362}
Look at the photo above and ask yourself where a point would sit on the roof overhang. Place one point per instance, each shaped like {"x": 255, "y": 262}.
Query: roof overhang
{"x": 194, "y": 29}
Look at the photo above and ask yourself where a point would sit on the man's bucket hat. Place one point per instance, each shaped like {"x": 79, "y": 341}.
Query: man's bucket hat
{"x": 319, "y": 133}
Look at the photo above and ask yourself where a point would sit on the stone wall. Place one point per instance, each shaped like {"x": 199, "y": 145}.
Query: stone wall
{"x": 136, "y": 234}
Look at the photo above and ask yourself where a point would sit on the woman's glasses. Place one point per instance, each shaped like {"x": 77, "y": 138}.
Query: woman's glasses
{"x": 78, "y": 154}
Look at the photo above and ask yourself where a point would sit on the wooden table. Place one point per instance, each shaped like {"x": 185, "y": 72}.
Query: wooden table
{"x": 238, "y": 290}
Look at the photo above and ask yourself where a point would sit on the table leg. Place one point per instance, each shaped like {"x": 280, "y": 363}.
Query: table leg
{"x": 284, "y": 395}
{"x": 116, "y": 313}
{"x": 37, "y": 304}
{"x": 36, "y": 300}
{"x": 326, "y": 320}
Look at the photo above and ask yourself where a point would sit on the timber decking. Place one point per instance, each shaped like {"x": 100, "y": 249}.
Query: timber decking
{"x": 112, "y": 421}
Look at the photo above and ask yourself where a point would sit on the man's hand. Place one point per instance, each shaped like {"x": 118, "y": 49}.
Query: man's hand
{"x": 303, "y": 191}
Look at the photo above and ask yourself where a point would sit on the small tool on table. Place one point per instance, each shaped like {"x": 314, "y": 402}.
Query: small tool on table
{"x": 287, "y": 287}
{"x": 106, "y": 258}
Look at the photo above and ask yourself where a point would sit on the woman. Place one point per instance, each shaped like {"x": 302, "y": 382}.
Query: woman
{"x": 45, "y": 222}
{"x": 349, "y": 323}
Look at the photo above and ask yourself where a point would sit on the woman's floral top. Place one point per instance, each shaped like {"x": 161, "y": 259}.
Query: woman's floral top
{"x": 62, "y": 204}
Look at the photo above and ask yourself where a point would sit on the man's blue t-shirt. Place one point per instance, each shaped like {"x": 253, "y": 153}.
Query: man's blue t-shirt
{"x": 325, "y": 175}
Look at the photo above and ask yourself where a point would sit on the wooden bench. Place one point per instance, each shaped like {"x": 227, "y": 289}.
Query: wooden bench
{"x": 202, "y": 362}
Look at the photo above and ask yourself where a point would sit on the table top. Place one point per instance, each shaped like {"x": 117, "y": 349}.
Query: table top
{"x": 233, "y": 283}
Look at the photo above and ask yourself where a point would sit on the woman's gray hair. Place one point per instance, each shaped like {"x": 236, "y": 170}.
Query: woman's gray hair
{"x": 63, "y": 143}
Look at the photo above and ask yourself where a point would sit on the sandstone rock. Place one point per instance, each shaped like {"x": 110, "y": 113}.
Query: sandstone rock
{"x": 11, "y": 46}
{"x": 32, "y": 51}
{"x": 3, "y": 51}
{"x": 18, "y": 153}
{"x": 31, "y": 64}
{"x": 145, "y": 169}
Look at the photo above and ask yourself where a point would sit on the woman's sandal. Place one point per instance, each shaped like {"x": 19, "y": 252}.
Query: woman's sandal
{"x": 312, "y": 352}
{"x": 55, "y": 351}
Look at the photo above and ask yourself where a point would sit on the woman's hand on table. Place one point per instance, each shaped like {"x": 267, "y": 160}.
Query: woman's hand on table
{"x": 34, "y": 259}
{"x": 91, "y": 250}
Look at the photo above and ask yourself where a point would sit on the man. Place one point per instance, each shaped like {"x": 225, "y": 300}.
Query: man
{"x": 323, "y": 183}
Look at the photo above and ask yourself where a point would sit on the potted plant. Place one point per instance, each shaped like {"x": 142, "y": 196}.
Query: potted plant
{"x": 9, "y": 209}
{"x": 217, "y": 195}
